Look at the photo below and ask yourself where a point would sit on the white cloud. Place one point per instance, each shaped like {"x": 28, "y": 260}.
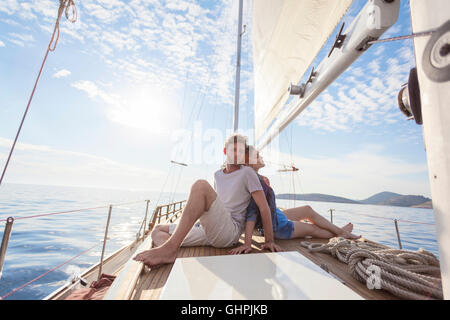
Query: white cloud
{"x": 94, "y": 92}
{"x": 20, "y": 38}
{"x": 2, "y": 44}
{"x": 374, "y": 66}
{"x": 160, "y": 44}
{"x": 23, "y": 37}
{"x": 358, "y": 72}
{"x": 26, "y": 11}
{"x": 9, "y": 6}
{"x": 393, "y": 31}
{"x": 61, "y": 73}
{"x": 370, "y": 97}
{"x": 406, "y": 53}
{"x": 379, "y": 50}
{"x": 170, "y": 40}
{"x": 10, "y": 22}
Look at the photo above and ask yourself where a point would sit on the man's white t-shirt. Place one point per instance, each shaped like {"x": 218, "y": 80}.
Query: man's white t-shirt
{"x": 234, "y": 190}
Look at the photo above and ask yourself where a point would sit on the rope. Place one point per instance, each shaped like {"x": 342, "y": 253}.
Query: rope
{"x": 404, "y": 273}
{"x": 64, "y": 5}
{"x": 51, "y": 270}
{"x": 414, "y": 35}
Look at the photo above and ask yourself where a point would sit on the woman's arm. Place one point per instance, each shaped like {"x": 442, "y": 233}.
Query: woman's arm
{"x": 266, "y": 218}
{"x": 264, "y": 211}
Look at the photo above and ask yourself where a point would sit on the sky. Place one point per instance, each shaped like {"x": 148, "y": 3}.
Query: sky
{"x": 135, "y": 84}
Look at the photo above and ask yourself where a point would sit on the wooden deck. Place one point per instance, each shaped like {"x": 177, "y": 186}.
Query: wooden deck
{"x": 151, "y": 282}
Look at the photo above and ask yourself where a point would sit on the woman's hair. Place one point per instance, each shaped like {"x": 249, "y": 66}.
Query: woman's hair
{"x": 252, "y": 154}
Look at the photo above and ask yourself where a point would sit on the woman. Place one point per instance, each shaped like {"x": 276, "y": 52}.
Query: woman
{"x": 287, "y": 224}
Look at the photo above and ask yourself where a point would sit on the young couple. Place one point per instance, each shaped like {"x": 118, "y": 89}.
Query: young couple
{"x": 240, "y": 195}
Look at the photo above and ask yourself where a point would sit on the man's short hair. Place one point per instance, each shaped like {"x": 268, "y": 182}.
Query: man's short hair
{"x": 236, "y": 138}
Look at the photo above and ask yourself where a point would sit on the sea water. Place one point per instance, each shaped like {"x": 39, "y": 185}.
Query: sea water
{"x": 40, "y": 244}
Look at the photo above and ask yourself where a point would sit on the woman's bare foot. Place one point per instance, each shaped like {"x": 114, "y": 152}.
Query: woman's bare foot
{"x": 348, "y": 227}
{"x": 157, "y": 256}
{"x": 347, "y": 232}
{"x": 348, "y": 235}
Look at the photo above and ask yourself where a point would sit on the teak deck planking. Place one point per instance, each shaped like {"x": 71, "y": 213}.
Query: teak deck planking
{"x": 152, "y": 281}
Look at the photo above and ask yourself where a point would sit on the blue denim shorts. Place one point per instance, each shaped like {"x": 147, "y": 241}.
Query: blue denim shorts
{"x": 285, "y": 232}
{"x": 285, "y": 226}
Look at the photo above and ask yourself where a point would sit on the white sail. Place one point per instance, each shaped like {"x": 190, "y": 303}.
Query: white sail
{"x": 287, "y": 36}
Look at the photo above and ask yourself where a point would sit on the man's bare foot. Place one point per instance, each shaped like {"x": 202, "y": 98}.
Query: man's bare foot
{"x": 157, "y": 256}
{"x": 348, "y": 227}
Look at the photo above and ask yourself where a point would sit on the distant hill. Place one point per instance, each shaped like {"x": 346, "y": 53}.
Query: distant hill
{"x": 383, "y": 198}
{"x": 395, "y": 199}
{"x": 405, "y": 201}
{"x": 315, "y": 197}
{"x": 427, "y": 205}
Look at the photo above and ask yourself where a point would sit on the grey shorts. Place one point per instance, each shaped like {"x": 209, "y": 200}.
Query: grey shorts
{"x": 215, "y": 228}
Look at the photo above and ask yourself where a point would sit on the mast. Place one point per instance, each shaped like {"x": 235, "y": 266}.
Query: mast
{"x": 433, "y": 60}
{"x": 238, "y": 69}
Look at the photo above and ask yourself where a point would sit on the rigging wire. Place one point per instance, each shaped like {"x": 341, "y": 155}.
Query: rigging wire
{"x": 300, "y": 183}
{"x": 201, "y": 94}
{"x": 64, "y": 6}
{"x": 164, "y": 185}
{"x": 286, "y": 142}
{"x": 183, "y": 104}
{"x": 249, "y": 46}
{"x": 173, "y": 188}
{"x": 176, "y": 186}
{"x": 293, "y": 186}
{"x": 202, "y": 91}
{"x": 246, "y": 62}
{"x": 214, "y": 112}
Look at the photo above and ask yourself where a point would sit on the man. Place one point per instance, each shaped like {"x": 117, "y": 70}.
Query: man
{"x": 221, "y": 214}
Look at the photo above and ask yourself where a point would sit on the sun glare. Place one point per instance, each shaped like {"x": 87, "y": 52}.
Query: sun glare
{"x": 147, "y": 110}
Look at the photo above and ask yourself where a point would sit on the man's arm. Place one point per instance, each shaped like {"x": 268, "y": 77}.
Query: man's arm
{"x": 249, "y": 226}
{"x": 247, "y": 246}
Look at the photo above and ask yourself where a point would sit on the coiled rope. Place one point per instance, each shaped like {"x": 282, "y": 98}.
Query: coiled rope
{"x": 404, "y": 273}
